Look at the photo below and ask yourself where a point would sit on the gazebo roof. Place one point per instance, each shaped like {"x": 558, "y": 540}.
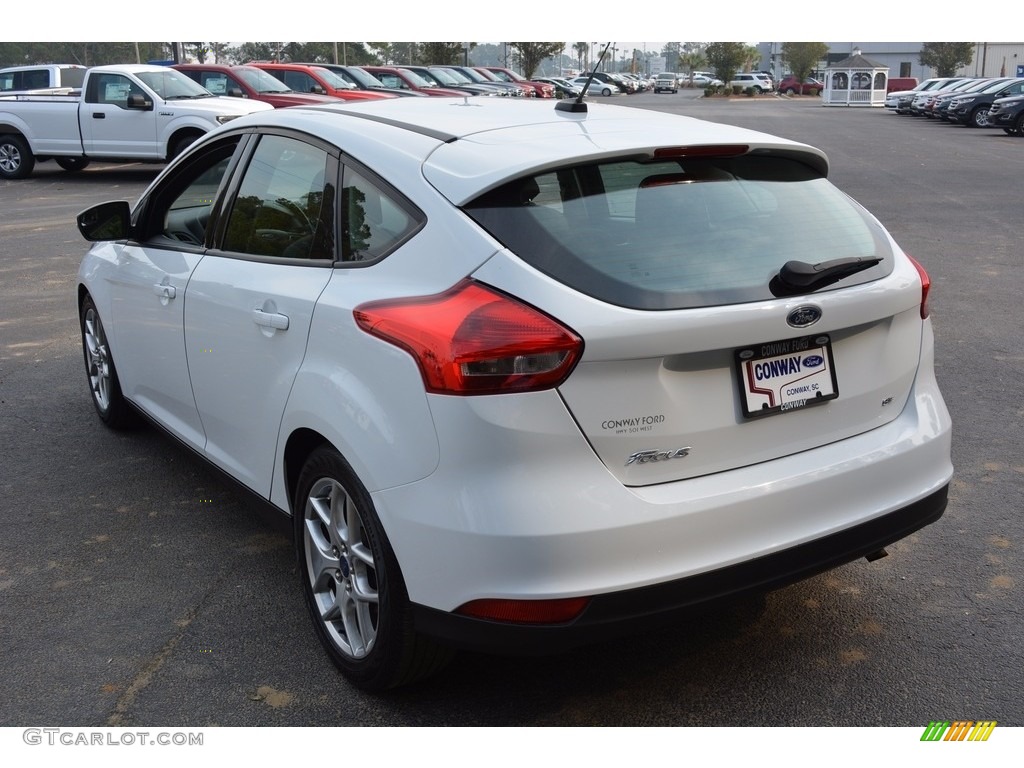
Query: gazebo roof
{"x": 857, "y": 61}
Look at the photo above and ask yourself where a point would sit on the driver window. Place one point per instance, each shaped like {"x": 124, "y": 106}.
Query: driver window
{"x": 283, "y": 207}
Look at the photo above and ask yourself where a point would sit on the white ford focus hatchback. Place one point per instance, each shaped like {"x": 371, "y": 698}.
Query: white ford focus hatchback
{"x": 523, "y": 377}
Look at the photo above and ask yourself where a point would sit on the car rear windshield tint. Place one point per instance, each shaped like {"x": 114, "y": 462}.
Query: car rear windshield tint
{"x": 678, "y": 233}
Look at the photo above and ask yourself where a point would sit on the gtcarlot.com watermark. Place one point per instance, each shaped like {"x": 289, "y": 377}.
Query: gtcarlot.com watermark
{"x": 69, "y": 737}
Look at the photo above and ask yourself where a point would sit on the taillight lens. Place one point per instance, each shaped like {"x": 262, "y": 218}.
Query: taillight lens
{"x": 926, "y": 286}
{"x": 473, "y": 340}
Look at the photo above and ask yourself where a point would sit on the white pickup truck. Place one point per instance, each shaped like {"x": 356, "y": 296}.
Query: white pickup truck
{"x": 124, "y": 113}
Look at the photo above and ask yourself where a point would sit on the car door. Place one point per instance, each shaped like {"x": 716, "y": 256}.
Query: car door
{"x": 148, "y": 293}
{"x": 250, "y": 302}
{"x": 108, "y": 126}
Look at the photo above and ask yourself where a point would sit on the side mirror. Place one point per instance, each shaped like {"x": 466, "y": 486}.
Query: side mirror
{"x": 106, "y": 221}
{"x": 235, "y": 93}
{"x": 138, "y": 101}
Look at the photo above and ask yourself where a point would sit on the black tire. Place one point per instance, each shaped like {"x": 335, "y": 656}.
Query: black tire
{"x": 1018, "y": 126}
{"x": 180, "y": 144}
{"x": 351, "y": 581}
{"x": 73, "y": 164}
{"x": 606, "y": 92}
{"x": 790, "y": 92}
{"x": 16, "y": 159}
{"x": 104, "y": 386}
{"x": 758, "y": 90}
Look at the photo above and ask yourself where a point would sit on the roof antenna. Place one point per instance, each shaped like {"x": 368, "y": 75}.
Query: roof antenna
{"x": 577, "y": 104}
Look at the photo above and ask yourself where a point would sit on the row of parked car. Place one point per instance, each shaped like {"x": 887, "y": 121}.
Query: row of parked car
{"x": 283, "y": 84}
{"x": 977, "y": 102}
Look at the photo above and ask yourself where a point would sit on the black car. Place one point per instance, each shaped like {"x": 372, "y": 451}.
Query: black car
{"x": 972, "y": 109}
{"x": 1008, "y": 114}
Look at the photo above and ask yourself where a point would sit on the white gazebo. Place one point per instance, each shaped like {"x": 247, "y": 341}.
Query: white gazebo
{"x": 855, "y": 82}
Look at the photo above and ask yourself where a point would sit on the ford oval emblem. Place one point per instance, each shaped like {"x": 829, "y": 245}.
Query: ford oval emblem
{"x": 801, "y": 317}
{"x": 813, "y": 361}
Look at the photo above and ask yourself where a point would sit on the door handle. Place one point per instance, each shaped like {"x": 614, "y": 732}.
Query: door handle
{"x": 99, "y": 115}
{"x": 270, "y": 319}
{"x": 164, "y": 291}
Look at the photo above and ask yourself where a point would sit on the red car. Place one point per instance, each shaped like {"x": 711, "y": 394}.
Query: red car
{"x": 399, "y": 77}
{"x": 542, "y": 90}
{"x": 308, "y": 78}
{"x": 247, "y": 82}
{"x": 790, "y": 86}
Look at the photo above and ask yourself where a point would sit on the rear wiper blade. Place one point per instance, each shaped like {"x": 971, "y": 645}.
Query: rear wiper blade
{"x": 800, "y": 277}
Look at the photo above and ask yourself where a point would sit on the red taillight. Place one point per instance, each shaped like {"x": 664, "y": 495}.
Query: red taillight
{"x": 472, "y": 340}
{"x": 525, "y": 611}
{"x": 711, "y": 150}
{"x": 926, "y": 286}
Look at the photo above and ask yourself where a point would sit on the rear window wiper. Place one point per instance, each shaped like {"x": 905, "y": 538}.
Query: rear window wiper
{"x": 797, "y": 277}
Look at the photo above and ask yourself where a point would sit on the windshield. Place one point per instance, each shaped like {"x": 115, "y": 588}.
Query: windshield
{"x": 450, "y": 77}
{"x": 170, "y": 84}
{"x": 470, "y": 75}
{"x": 416, "y": 80}
{"x": 365, "y": 79}
{"x": 260, "y": 81}
{"x": 672, "y": 234}
{"x": 333, "y": 80}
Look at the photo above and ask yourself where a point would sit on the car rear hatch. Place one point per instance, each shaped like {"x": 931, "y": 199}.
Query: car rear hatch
{"x": 704, "y": 351}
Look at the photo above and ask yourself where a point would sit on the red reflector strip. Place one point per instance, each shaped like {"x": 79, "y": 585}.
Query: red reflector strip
{"x": 525, "y": 611}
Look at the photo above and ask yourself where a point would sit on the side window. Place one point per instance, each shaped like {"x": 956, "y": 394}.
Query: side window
{"x": 215, "y": 82}
{"x": 299, "y": 81}
{"x": 111, "y": 89}
{"x": 374, "y": 222}
{"x": 284, "y": 206}
{"x": 182, "y": 208}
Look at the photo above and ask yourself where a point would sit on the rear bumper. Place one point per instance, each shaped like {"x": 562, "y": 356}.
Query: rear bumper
{"x": 611, "y": 615}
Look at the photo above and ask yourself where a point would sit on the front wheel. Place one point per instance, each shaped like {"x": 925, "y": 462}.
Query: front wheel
{"x": 606, "y": 92}
{"x": 104, "y": 385}
{"x": 351, "y": 581}
{"x": 979, "y": 118}
{"x": 16, "y": 159}
{"x": 73, "y": 163}
{"x": 180, "y": 145}
{"x": 1018, "y": 126}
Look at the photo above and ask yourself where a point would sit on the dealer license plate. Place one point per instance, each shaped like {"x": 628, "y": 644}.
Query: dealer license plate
{"x": 786, "y": 375}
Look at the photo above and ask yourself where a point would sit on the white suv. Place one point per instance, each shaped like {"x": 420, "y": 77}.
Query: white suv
{"x": 759, "y": 82}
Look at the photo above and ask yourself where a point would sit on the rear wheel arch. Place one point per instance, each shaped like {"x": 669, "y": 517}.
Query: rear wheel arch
{"x": 301, "y": 444}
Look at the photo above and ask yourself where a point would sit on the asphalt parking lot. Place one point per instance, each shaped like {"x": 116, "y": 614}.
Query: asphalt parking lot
{"x": 138, "y": 587}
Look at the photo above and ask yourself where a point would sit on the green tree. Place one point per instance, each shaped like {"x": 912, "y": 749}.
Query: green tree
{"x": 582, "y": 50}
{"x": 673, "y": 56}
{"x": 947, "y": 58}
{"x": 803, "y": 58}
{"x": 441, "y": 53}
{"x": 532, "y": 54}
{"x": 726, "y": 58}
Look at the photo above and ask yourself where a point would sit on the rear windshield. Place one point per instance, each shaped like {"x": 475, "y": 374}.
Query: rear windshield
{"x": 679, "y": 233}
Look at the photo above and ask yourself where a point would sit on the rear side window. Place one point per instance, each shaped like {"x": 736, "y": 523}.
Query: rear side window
{"x": 680, "y": 233}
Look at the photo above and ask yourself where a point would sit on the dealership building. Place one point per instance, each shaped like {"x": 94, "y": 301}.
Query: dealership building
{"x": 903, "y": 59}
